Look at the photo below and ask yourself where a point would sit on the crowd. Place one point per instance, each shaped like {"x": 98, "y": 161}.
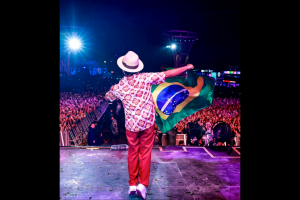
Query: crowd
{"x": 222, "y": 109}
{"x": 225, "y": 107}
{"x": 76, "y": 106}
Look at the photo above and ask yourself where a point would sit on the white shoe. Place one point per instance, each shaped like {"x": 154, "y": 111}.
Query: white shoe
{"x": 141, "y": 191}
{"x": 132, "y": 190}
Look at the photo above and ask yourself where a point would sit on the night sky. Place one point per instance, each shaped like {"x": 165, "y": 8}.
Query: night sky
{"x": 114, "y": 27}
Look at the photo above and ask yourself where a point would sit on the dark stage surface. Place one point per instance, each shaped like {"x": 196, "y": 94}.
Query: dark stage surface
{"x": 176, "y": 173}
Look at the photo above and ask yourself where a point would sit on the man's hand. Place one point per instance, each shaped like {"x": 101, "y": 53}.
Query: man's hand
{"x": 190, "y": 66}
{"x": 175, "y": 72}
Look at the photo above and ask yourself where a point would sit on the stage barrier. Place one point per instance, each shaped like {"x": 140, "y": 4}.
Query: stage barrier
{"x": 181, "y": 137}
{"x": 164, "y": 140}
{"x": 238, "y": 140}
{"x": 76, "y": 135}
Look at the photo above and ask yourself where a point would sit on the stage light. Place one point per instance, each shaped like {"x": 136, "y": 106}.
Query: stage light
{"x": 74, "y": 43}
{"x": 173, "y": 46}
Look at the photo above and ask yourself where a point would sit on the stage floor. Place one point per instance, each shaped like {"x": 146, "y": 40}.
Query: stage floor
{"x": 187, "y": 173}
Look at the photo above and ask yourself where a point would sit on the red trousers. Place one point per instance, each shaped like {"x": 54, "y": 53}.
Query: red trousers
{"x": 139, "y": 155}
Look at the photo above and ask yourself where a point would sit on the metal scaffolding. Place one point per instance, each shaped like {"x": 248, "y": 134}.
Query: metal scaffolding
{"x": 183, "y": 41}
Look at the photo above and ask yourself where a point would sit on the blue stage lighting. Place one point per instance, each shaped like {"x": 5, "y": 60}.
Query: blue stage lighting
{"x": 173, "y": 46}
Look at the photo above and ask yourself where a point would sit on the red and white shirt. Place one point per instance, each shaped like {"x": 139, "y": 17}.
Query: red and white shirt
{"x": 135, "y": 94}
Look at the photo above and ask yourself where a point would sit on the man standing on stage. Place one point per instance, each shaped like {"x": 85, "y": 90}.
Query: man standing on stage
{"x": 134, "y": 90}
{"x": 114, "y": 128}
{"x": 118, "y": 108}
{"x": 91, "y": 135}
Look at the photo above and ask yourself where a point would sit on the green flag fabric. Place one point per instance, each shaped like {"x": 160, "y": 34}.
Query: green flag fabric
{"x": 178, "y": 98}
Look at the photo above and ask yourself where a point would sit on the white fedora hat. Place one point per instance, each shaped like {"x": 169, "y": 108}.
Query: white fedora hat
{"x": 130, "y": 62}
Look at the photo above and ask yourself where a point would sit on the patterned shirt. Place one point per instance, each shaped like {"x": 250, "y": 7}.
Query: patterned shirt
{"x": 135, "y": 94}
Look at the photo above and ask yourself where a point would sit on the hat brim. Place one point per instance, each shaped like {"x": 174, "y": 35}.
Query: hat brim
{"x": 139, "y": 68}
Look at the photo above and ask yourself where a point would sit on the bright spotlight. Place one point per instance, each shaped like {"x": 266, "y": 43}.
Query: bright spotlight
{"x": 74, "y": 43}
{"x": 173, "y": 46}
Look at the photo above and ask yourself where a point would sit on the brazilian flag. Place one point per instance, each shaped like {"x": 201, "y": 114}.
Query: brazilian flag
{"x": 178, "y": 98}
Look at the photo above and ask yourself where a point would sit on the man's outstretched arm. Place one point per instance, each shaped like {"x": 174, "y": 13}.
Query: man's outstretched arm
{"x": 177, "y": 71}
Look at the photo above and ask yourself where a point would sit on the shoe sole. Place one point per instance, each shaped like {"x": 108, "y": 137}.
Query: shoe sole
{"x": 140, "y": 194}
{"x": 132, "y": 193}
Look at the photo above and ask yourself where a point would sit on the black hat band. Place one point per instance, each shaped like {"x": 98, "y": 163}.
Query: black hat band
{"x": 130, "y": 67}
